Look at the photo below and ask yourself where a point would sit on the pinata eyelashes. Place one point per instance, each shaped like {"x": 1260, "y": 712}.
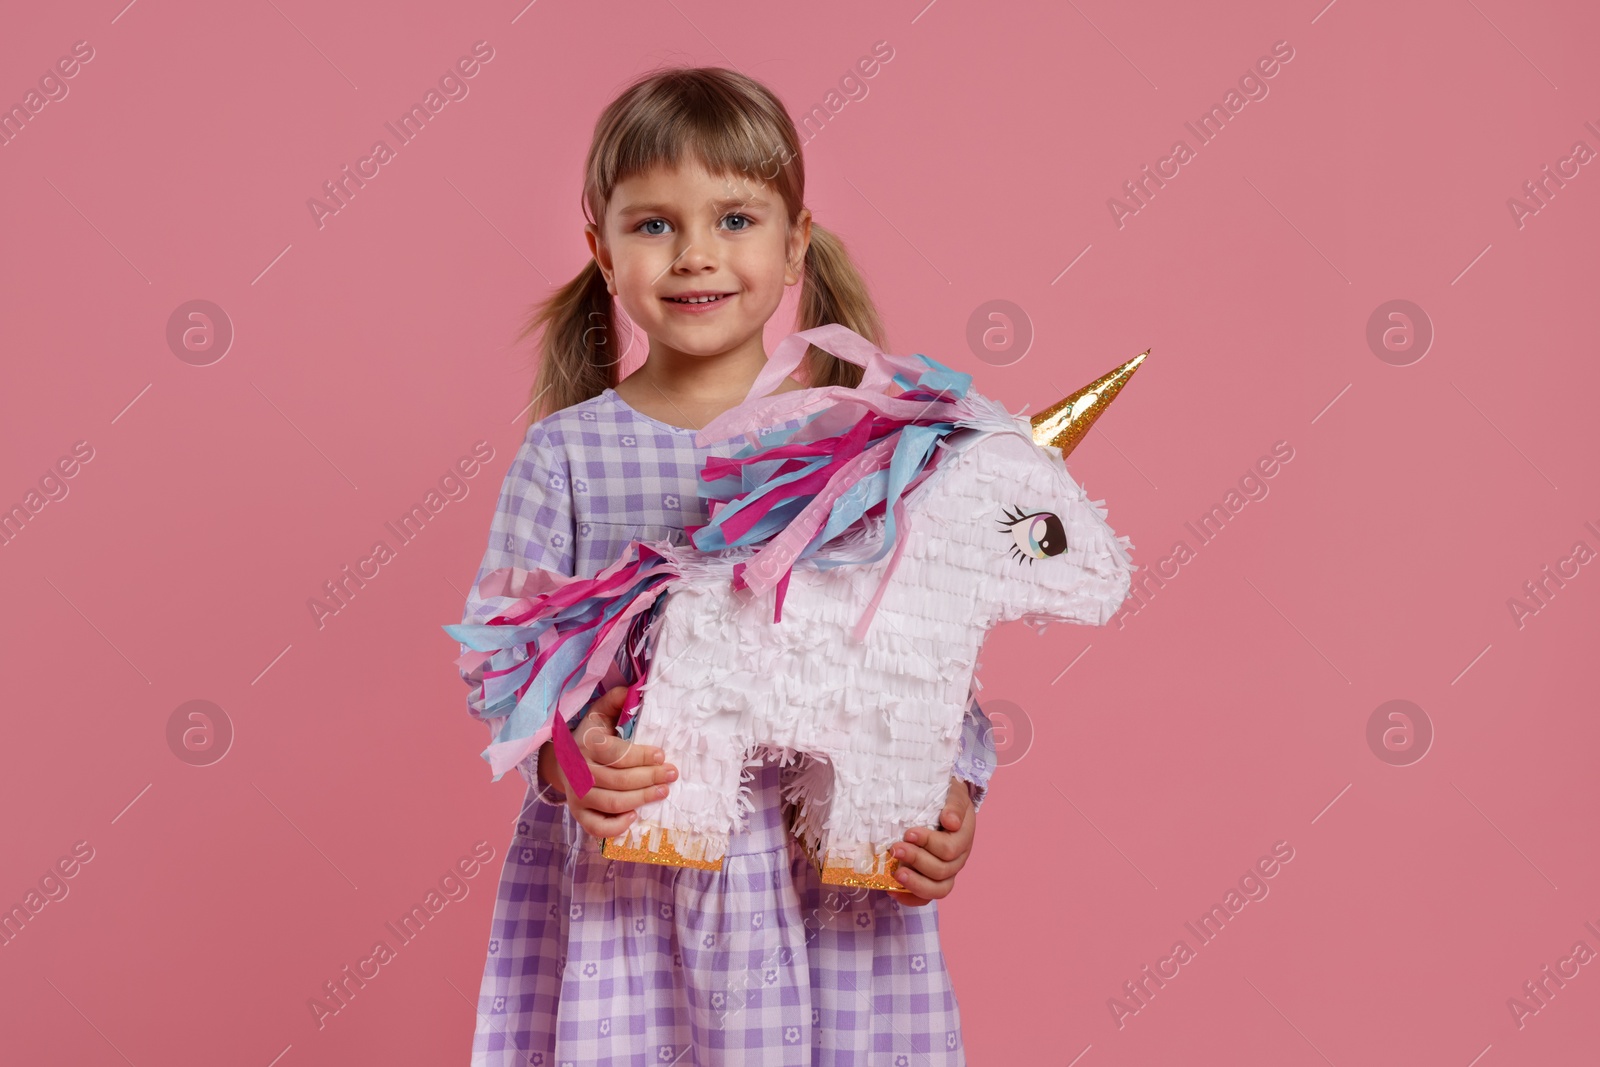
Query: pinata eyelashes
{"x": 1034, "y": 535}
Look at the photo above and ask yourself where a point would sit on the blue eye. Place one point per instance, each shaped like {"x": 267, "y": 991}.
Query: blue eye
{"x": 1036, "y": 535}
{"x": 649, "y": 226}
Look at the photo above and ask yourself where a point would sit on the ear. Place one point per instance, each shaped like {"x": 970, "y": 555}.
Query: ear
{"x": 601, "y": 253}
{"x": 799, "y": 241}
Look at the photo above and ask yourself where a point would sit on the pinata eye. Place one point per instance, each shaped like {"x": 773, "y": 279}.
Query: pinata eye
{"x": 1036, "y": 535}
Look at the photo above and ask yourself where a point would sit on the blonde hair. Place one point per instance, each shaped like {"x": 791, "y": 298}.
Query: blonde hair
{"x": 732, "y": 125}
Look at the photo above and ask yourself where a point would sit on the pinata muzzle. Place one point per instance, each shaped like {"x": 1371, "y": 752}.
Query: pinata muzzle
{"x": 1046, "y": 551}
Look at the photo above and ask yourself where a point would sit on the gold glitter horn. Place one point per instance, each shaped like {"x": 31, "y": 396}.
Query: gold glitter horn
{"x": 1064, "y": 423}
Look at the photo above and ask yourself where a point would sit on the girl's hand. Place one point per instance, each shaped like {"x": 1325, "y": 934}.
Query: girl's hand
{"x": 930, "y": 858}
{"x": 625, "y": 774}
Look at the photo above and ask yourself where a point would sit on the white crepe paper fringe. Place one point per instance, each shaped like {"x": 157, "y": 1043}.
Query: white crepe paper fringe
{"x": 878, "y": 722}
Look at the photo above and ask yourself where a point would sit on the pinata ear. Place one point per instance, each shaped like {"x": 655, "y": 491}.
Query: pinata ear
{"x": 1063, "y": 424}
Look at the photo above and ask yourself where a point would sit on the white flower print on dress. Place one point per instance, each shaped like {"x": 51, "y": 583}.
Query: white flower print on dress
{"x": 918, "y": 964}
{"x": 590, "y": 970}
{"x": 791, "y": 1034}
{"x": 670, "y": 500}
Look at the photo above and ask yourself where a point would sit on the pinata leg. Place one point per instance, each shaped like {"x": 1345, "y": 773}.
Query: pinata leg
{"x": 872, "y": 800}
{"x": 660, "y": 847}
{"x": 840, "y": 870}
{"x": 812, "y": 793}
{"x": 840, "y": 857}
{"x": 691, "y": 826}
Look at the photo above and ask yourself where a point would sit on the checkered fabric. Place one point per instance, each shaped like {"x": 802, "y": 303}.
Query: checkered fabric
{"x": 597, "y": 962}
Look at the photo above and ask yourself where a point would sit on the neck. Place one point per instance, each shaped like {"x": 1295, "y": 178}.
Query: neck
{"x": 691, "y": 390}
{"x": 700, "y": 379}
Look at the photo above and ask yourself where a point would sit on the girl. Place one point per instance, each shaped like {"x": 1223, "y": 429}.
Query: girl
{"x": 695, "y": 190}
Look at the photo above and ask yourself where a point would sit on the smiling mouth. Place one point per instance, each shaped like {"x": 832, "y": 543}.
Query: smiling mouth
{"x": 693, "y": 301}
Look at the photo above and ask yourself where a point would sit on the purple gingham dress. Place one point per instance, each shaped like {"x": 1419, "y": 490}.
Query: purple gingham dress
{"x": 594, "y": 962}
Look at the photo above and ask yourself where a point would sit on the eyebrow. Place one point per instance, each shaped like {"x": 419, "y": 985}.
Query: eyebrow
{"x": 720, "y": 204}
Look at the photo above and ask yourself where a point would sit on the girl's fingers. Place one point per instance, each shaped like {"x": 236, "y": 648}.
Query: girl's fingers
{"x": 600, "y": 745}
{"x": 615, "y": 778}
{"x": 926, "y": 863}
{"x": 945, "y": 846}
{"x": 611, "y": 701}
{"x": 595, "y": 824}
{"x": 620, "y": 752}
{"x": 608, "y": 705}
{"x": 615, "y": 802}
{"x": 922, "y": 886}
{"x": 951, "y": 847}
{"x": 908, "y": 900}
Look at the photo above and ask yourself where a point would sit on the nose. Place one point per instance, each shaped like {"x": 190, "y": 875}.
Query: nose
{"x": 698, "y": 256}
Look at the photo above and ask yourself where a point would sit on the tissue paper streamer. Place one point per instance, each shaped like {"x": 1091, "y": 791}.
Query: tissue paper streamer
{"x": 830, "y": 611}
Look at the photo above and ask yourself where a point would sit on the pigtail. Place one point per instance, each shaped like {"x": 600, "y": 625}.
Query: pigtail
{"x": 834, "y": 291}
{"x": 579, "y": 349}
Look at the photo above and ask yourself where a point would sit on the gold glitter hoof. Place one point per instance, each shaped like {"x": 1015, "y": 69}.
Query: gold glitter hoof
{"x": 880, "y": 877}
{"x": 663, "y": 853}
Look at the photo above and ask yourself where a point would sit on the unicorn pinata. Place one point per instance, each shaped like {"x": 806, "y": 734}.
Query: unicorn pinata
{"x": 831, "y": 610}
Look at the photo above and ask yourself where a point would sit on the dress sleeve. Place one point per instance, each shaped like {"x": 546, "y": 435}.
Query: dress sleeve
{"x": 975, "y": 757}
{"x": 533, "y": 527}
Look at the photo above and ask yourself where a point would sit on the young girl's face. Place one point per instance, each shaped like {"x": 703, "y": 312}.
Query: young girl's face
{"x": 679, "y": 233}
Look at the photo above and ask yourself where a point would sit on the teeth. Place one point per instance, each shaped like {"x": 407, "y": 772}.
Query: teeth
{"x": 693, "y": 299}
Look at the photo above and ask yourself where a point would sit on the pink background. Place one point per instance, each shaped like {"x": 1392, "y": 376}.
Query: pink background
{"x": 1228, "y": 714}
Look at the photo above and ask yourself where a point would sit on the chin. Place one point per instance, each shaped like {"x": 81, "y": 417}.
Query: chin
{"x": 709, "y": 342}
